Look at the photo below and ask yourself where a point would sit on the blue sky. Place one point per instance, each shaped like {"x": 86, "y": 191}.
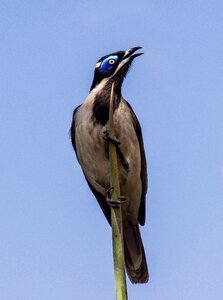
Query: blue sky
{"x": 55, "y": 242}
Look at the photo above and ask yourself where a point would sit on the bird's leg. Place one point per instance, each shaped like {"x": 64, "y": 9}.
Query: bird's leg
{"x": 110, "y": 192}
{"x": 108, "y": 138}
{"x": 112, "y": 202}
{"x": 116, "y": 141}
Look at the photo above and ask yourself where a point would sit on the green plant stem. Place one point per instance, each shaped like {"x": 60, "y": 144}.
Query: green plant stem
{"x": 116, "y": 214}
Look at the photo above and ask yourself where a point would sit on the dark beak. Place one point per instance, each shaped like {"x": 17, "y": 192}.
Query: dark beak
{"x": 129, "y": 53}
{"x": 127, "y": 60}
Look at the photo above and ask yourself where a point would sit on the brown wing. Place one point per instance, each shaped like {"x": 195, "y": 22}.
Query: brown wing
{"x": 144, "y": 179}
{"x": 102, "y": 202}
{"x": 100, "y": 198}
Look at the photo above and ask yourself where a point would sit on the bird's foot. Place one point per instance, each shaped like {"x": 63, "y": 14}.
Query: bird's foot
{"x": 122, "y": 199}
{"x": 116, "y": 141}
{"x": 113, "y": 202}
{"x": 108, "y": 138}
{"x": 110, "y": 192}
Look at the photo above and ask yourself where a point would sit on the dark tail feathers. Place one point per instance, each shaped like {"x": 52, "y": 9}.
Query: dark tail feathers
{"x": 135, "y": 259}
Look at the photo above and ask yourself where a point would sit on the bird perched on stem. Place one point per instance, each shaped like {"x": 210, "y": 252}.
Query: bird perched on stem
{"x": 90, "y": 135}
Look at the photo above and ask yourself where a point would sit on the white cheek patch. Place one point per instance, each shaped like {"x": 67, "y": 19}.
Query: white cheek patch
{"x": 98, "y": 65}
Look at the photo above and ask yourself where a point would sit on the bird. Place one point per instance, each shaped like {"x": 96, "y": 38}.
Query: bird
{"x": 90, "y": 135}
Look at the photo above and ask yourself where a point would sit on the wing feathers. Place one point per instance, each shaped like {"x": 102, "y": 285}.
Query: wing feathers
{"x": 144, "y": 179}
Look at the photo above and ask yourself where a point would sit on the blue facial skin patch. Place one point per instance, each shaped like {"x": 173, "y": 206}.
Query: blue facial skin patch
{"x": 105, "y": 65}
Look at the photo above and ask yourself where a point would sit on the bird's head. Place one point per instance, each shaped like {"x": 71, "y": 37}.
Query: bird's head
{"x": 114, "y": 67}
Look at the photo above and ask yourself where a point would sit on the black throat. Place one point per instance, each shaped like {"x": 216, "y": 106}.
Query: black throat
{"x": 100, "y": 110}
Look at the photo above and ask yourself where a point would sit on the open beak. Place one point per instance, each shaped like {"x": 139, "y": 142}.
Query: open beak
{"x": 128, "y": 56}
{"x": 127, "y": 60}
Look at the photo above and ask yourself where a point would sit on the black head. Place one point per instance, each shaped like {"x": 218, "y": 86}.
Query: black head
{"x": 114, "y": 66}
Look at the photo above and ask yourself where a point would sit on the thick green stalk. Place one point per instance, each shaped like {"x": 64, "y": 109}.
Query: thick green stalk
{"x": 116, "y": 214}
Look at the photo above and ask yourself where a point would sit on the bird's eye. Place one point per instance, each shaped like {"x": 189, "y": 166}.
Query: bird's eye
{"x": 111, "y": 61}
{"x": 108, "y": 63}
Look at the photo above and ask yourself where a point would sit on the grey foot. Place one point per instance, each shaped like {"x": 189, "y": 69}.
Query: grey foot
{"x": 112, "y": 202}
{"x": 108, "y": 138}
{"x": 117, "y": 143}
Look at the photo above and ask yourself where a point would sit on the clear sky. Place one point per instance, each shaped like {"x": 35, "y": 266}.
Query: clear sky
{"x": 55, "y": 242}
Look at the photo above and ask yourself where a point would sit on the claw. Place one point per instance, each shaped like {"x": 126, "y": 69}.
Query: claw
{"x": 107, "y": 137}
{"x": 110, "y": 192}
{"x": 117, "y": 143}
{"x": 122, "y": 199}
{"x": 115, "y": 203}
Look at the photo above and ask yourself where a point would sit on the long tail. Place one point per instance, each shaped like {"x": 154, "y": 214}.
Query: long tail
{"x": 135, "y": 259}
